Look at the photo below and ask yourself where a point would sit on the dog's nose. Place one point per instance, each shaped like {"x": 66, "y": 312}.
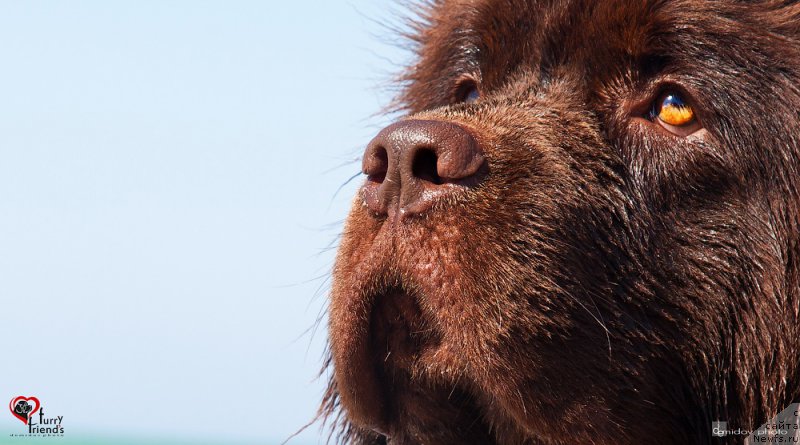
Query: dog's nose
{"x": 412, "y": 164}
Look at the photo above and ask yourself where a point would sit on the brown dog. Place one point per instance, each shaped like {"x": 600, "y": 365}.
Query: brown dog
{"x": 585, "y": 230}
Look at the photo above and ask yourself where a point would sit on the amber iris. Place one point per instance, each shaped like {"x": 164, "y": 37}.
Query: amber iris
{"x": 673, "y": 110}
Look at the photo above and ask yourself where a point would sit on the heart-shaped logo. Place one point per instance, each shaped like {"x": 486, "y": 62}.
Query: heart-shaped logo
{"x": 24, "y": 407}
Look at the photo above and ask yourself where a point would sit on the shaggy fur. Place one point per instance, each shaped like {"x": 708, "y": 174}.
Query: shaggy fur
{"x": 608, "y": 282}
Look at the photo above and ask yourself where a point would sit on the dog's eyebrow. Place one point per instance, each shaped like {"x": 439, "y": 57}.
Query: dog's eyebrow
{"x": 652, "y": 64}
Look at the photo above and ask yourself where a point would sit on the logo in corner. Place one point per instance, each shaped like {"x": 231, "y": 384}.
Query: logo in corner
{"x": 30, "y": 412}
{"x": 24, "y": 407}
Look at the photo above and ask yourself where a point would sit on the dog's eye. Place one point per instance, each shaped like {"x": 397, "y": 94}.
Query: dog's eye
{"x": 673, "y": 112}
{"x": 467, "y": 92}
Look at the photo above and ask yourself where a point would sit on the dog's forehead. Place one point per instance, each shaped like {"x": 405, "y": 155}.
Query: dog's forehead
{"x": 600, "y": 38}
{"x": 628, "y": 27}
{"x": 601, "y": 47}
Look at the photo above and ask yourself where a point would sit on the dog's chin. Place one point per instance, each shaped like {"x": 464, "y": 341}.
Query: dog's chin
{"x": 404, "y": 384}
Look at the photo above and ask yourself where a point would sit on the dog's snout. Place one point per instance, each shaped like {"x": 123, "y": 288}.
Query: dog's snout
{"x": 413, "y": 163}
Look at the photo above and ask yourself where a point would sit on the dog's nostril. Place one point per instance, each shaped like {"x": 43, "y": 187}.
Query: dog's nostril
{"x": 424, "y": 166}
{"x": 376, "y": 164}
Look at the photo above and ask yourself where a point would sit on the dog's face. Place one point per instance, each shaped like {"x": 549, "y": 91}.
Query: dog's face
{"x": 584, "y": 230}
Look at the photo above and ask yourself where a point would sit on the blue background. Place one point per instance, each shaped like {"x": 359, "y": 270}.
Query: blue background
{"x": 169, "y": 208}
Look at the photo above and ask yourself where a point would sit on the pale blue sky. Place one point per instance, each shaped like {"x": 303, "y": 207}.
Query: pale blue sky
{"x": 168, "y": 173}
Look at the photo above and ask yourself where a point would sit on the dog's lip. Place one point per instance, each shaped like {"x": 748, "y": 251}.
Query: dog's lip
{"x": 365, "y": 273}
{"x": 386, "y": 338}
{"x": 357, "y": 382}
{"x": 397, "y": 328}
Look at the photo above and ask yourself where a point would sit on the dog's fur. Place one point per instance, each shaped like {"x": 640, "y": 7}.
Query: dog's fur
{"x": 609, "y": 282}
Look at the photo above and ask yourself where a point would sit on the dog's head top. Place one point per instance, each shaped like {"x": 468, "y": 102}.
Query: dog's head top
{"x": 584, "y": 229}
